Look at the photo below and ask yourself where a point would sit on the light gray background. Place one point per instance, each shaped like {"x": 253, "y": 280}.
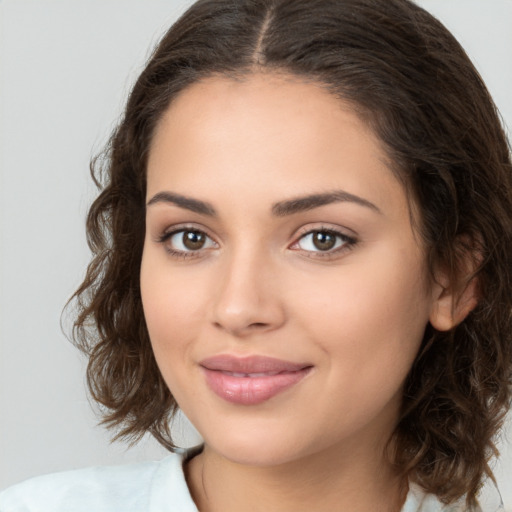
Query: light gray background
{"x": 65, "y": 69}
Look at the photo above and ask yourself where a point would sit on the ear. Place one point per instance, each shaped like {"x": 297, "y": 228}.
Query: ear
{"x": 454, "y": 298}
{"x": 451, "y": 307}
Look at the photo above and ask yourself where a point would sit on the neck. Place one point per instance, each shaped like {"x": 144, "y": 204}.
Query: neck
{"x": 355, "y": 479}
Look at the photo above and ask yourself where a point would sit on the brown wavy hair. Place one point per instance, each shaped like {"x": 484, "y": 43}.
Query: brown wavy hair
{"x": 412, "y": 82}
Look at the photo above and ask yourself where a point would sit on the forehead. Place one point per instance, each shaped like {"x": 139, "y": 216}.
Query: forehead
{"x": 277, "y": 104}
{"x": 278, "y": 131}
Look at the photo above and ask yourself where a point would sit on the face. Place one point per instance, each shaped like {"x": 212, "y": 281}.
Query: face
{"x": 284, "y": 289}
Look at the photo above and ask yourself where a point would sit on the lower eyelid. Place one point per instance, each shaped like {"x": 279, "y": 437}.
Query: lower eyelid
{"x": 328, "y": 255}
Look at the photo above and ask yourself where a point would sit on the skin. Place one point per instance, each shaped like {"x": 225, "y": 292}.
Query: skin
{"x": 259, "y": 285}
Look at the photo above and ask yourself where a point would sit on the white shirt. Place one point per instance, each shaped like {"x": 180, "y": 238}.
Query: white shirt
{"x": 149, "y": 487}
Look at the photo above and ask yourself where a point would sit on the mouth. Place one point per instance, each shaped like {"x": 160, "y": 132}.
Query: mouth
{"x": 251, "y": 380}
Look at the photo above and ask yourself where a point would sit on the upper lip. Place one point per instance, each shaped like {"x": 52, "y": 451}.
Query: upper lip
{"x": 251, "y": 364}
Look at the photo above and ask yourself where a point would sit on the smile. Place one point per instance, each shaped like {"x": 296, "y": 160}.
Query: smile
{"x": 251, "y": 380}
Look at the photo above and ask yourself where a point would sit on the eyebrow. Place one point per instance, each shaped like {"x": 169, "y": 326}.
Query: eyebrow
{"x": 301, "y": 204}
{"x": 194, "y": 205}
{"x": 280, "y": 209}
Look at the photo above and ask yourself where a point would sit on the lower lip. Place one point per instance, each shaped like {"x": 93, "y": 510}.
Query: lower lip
{"x": 251, "y": 390}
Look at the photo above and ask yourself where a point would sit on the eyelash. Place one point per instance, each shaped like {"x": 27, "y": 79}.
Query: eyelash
{"x": 348, "y": 242}
{"x": 166, "y": 236}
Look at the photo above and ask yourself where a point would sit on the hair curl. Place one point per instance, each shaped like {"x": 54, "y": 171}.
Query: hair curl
{"x": 413, "y": 83}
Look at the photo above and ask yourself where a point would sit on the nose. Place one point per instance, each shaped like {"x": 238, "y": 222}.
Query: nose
{"x": 249, "y": 299}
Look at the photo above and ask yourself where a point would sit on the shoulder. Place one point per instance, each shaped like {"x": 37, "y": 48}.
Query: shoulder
{"x": 418, "y": 500}
{"x": 148, "y": 486}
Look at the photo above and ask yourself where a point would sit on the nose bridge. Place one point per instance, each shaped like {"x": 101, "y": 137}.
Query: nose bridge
{"x": 247, "y": 297}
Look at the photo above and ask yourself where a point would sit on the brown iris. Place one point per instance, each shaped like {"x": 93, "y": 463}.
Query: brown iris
{"x": 194, "y": 240}
{"x": 324, "y": 240}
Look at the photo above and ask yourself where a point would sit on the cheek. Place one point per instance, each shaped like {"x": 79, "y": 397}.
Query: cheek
{"x": 369, "y": 317}
{"x": 173, "y": 307}
{"x": 369, "y": 330}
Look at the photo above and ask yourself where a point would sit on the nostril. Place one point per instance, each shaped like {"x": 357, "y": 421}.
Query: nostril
{"x": 240, "y": 330}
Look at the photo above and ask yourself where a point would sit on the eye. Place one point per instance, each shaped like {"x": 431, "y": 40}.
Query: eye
{"x": 323, "y": 241}
{"x": 187, "y": 241}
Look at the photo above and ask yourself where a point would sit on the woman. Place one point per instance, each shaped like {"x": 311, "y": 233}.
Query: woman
{"x": 303, "y": 241}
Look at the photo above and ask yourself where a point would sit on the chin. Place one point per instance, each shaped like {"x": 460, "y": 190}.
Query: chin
{"x": 262, "y": 455}
{"x": 259, "y": 446}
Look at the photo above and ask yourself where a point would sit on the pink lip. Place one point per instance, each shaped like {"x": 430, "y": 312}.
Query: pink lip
{"x": 251, "y": 380}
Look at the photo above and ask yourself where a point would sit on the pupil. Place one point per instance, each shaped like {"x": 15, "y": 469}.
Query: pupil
{"x": 323, "y": 240}
{"x": 193, "y": 240}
